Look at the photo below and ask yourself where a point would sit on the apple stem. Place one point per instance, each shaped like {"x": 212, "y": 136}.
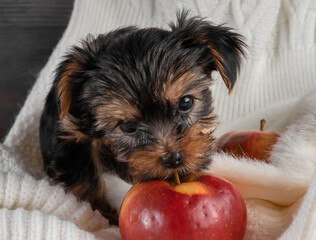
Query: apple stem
{"x": 176, "y": 177}
{"x": 262, "y": 123}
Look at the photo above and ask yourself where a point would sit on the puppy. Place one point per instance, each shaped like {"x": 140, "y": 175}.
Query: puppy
{"x": 136, "y": 102}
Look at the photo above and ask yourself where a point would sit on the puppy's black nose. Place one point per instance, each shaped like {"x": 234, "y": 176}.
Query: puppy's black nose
{"x": 172, "y": 159}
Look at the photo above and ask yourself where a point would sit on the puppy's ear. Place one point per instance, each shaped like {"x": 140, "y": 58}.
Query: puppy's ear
{"x": 73, "y": 73}
{"x": 65, "y": 78}
{"x": 225, "y": 46}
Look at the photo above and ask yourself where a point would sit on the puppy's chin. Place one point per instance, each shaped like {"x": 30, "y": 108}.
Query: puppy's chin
{"x": 197, "y": 148}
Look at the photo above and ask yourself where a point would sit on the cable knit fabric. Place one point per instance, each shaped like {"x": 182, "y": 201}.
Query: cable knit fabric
{"x": 277, "y": 82}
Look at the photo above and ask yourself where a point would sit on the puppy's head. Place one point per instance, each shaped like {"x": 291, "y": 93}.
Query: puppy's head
{"x": 144, "y": 94}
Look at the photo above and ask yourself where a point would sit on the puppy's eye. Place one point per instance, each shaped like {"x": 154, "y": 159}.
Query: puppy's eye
{"x": 185, "y": 104}
{"x": 129, "y": 128}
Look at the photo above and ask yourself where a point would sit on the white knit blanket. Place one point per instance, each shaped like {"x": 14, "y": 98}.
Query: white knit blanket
{"x": 277, "y": 82}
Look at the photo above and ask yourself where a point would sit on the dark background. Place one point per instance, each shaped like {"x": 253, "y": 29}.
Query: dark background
{"x": 29, "y": 31}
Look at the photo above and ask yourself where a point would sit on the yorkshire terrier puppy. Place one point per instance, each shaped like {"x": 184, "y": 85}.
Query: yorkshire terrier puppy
{"x": 136, "y": 102}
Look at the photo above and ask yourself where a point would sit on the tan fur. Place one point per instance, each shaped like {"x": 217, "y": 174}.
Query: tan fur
{"x": 174, "y": 89}
{"x": 64, "y": 90}
{"x": 218, "y": 62}
{"x": 115, "y": 111}
{"x": 194, "y": 144}
{"x": 208, "y": 127}
{"x": 69, "y": 124}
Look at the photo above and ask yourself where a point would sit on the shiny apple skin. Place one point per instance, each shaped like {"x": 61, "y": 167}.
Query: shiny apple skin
{"x": 205, "y": 208}
{"x": 251, "y": 144}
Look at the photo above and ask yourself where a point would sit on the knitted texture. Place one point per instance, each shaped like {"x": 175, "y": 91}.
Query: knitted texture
{"x": 279, "y": 72}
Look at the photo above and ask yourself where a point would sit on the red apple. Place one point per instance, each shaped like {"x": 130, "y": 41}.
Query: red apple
{"x": 204, "y": 207}
{"x": 253, "y": 144}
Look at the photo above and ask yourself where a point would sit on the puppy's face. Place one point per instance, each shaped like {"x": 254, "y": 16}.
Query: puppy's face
{"x": 163, "y": 127}
{"x": 144, "y": 94}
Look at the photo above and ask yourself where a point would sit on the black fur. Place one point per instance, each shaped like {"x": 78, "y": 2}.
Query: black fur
{"x": 131, "y": 65}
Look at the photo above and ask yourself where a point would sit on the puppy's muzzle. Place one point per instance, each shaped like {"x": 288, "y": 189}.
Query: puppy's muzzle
{"x": 172, "y": 159}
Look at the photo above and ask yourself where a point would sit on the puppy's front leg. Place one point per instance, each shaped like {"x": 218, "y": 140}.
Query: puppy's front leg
{"x": 93, "y": 190}
{"x": 95, "y": 195}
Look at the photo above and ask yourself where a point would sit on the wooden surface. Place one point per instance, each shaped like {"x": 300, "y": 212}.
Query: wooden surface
{"x": 29, "y": 30}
